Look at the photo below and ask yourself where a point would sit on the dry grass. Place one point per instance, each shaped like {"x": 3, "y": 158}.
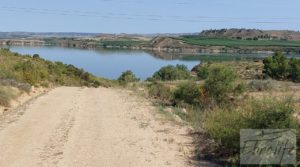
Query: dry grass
{"x": 245, "y": 69}
{"x": 279, "y": 90}
{"x": 6, "y": 95}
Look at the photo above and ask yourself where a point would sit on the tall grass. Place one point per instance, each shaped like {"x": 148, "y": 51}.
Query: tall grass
{"x": 6, "y": 95}
{"x": 224, "y": 124}
{"x": 260, "y": 85}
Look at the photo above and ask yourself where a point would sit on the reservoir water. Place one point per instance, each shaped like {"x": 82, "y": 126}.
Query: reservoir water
{"x": 111, "y": 63}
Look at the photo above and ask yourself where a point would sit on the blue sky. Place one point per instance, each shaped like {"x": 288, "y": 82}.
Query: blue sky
{"x": 147, "y": 16}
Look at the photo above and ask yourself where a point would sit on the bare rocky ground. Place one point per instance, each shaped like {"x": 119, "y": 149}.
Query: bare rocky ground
{"x": 95, "y": 127}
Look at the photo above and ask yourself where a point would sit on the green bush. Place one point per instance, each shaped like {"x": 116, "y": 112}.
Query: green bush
{"x": 218, "y": 88}
{"x": 294, "y": 69}
{"x": 282, "y": 68}
{"x": 202, "y": 71}
{"x": 188, "y": 92}
{"x": 36, "y": 56}
{"x": 221, "y": 84}
{"x": 127, "y": 77}
{"x": 224, "y": 127}
{"x": 277, "y": 66}
{"x": 171, "y": 73}
{"x": 161, "y": 92}
{"x": 31, "y": 72}
{"x": 269, "y": 113}
{"x": 85, "y": 76}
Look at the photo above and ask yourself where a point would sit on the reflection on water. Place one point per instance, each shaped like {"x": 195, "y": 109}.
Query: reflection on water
{"x": 110, "y": 63}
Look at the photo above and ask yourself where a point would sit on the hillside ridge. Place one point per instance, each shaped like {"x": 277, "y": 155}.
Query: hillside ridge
{"x": 252, "y": 34}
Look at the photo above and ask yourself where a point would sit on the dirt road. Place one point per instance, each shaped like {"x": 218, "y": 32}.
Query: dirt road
{"x": 91, "y": 127}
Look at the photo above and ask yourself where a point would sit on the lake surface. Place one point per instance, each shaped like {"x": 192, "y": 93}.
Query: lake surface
{"x": 111, "y": 63}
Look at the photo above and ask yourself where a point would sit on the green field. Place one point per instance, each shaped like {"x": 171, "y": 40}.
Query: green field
{"x": 194, "y": 40}
{"x": 221, "y": 58}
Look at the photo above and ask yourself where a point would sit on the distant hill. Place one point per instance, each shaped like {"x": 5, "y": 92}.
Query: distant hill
{"x": 252, "y": 34}
{"x": 167, "y": 42}
{"x": 17, "y": 35}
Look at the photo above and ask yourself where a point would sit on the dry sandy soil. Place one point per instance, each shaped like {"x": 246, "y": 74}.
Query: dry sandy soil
{"x": 21, "y": 99}
{"x": 101, "y": 127}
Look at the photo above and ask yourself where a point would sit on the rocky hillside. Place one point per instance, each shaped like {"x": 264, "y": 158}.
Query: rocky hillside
{"x": 167, "y": 42}
{"x": 252, "y": 34}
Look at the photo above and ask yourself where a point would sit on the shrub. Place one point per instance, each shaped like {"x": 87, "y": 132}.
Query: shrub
{"x": 171, "y": 73}
{"x": 282, "y": 68}
{"x": 294, "y": 69}
{"x": 240, "y": 88}
{"x": 161, "y": 92}
{"x": 25, "y": 87}
{"x": 225, "y": 132}
{"x": 36, "y": 56}
{"x": 6, "y": 95}
{"x": 220, "y": 84}
{"x": 277, "y": 66}
{"x": 202, "y": 71}
{"x": 96, "y": 82}
{"x": 188, "y": 92}
{"x": 28, "y": 71}
{"x": 32, "y": 72}
{"x": 85, "y": 76}
{"x": 260, "y": 85}
{"x": 13, "y": 83}
{"x": 127, "y": 77}
{"x": 5, "y": 50}
{"x": 269, "y": 113}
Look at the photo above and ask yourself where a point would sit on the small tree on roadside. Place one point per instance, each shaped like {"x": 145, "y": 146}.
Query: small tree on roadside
{"x": 127, "y": 77}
